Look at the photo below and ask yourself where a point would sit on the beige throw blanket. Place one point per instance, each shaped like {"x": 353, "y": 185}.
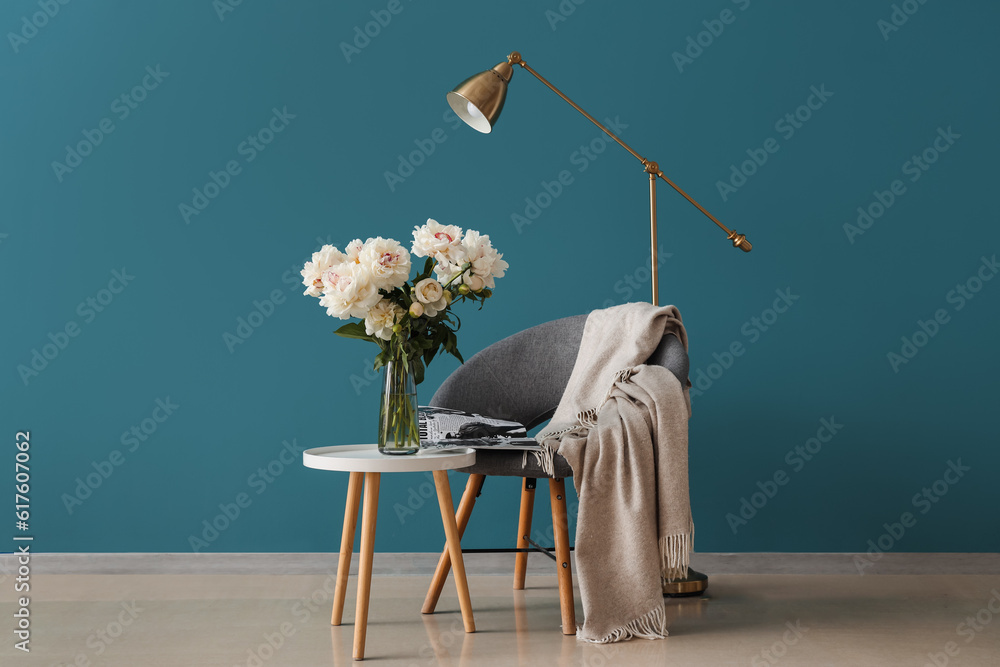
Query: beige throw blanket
{"x": 622, "y": 426}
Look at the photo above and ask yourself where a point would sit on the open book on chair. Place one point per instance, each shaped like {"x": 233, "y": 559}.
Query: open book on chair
{"x": 443, "y": 428}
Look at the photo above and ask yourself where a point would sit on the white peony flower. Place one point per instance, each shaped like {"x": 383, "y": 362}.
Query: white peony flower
{"x": 322, "y": 260}
{"x": 487, "y": 263}
{"x": 441, "y": 242}
{"x": 445, "y": 271}
{"x": 430, "y": 294}
{"x": 348, "y": 291}
{"x": 387, "y": 262}
{"x": 380, "y": 319}
{"x": 353, "y": 250}
{"x": 432, "y": 309}
{"x": 428, "y": 290}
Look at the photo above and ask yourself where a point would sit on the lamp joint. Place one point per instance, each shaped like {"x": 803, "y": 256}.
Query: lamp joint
{"x": 515, "y": 58}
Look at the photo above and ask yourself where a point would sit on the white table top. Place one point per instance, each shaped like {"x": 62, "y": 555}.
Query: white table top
{"x": 366, "y": 458}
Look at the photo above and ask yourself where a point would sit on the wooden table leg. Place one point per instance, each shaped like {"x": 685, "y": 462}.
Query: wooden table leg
{"x": 368, "y": 518}
{"x": 472, "y": 489}
{"x": 347, "y": 544}
{"x": 454, "y": 547}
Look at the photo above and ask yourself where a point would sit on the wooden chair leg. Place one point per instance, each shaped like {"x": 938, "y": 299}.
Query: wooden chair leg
{"x": 347, "y": 544}
{"x": 523, "y": 531}
{"x": 560, "y": 530}
{"x": 472, "y": 489}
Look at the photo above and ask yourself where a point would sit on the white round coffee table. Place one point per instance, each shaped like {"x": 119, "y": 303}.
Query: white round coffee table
{"x": 366, "y": 465}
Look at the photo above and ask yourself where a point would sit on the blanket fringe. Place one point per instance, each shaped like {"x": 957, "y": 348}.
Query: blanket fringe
{"x": 652, "y": 625}
{"x": 675, "y": 554}
{"x": 587, "y": 418}
{"x": 544, "y": 458}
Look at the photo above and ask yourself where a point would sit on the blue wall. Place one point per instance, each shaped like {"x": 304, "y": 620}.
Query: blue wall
{"x": 159, "y": 334}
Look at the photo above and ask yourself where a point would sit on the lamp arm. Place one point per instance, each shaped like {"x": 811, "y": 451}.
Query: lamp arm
{"x": 515, "y": 59}
{"x": 739, "y": 240}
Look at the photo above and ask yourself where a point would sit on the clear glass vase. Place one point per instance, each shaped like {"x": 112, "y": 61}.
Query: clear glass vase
{"x": 398, "y": 431}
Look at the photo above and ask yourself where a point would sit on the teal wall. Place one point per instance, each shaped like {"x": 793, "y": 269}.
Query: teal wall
{"x": 157, "y": 334}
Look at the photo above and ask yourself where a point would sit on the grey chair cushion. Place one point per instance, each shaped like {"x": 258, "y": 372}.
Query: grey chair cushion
{"x": 508, "y": 464}
{"x": 522, "y": 378}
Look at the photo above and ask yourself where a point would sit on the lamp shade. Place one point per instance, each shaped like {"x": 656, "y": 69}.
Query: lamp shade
{"x": 479, "y": 99}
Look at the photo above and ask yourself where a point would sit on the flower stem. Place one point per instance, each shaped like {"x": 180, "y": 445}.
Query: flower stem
{"x": 465, "y": 267}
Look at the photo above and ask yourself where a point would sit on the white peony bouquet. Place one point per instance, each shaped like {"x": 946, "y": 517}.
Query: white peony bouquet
{"x": 410, "y": 321}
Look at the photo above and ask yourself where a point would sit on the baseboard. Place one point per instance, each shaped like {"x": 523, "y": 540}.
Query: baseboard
{"x": 423, "y": 564}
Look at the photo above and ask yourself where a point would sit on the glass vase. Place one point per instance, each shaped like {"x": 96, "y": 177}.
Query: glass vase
{"x": 398, "y": 431}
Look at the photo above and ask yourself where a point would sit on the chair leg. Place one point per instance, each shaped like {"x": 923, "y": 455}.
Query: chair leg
{"x": 523, "y": 531}
{"x": 472, "y": 489}
{"x": 560, "y": 530}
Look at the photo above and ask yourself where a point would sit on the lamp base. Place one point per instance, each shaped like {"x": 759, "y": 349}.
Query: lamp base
{"x": 694, "y": 584}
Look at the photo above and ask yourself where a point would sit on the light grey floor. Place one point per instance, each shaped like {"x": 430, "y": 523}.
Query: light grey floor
{"x": 259, "y": 620}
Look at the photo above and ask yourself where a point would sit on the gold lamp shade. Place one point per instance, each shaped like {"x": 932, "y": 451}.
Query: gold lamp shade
{"x": 479, "y": 99}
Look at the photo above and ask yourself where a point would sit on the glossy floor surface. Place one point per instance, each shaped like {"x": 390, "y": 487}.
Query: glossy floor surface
{"x": 258, "y": 621}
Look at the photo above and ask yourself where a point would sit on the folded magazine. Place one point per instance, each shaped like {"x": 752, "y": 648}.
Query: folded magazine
{"x": 443, "y": 428}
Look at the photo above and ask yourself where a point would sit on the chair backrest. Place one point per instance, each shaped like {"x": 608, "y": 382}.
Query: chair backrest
{"x": 523, "y": 376}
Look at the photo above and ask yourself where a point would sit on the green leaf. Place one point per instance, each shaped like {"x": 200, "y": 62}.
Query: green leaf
{"x": 429, "y": 354}
{"x": 354, "y": 330}
{"x": 451, "y": 345}
{"x": 430, "y": 347}
{"x": 418, "y": 371}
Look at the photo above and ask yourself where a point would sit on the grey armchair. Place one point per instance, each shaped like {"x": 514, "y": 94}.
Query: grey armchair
{"x": 522, "y": 378}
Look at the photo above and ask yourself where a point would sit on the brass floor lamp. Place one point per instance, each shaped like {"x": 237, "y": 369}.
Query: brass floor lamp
{"x": 479, "y": 100}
